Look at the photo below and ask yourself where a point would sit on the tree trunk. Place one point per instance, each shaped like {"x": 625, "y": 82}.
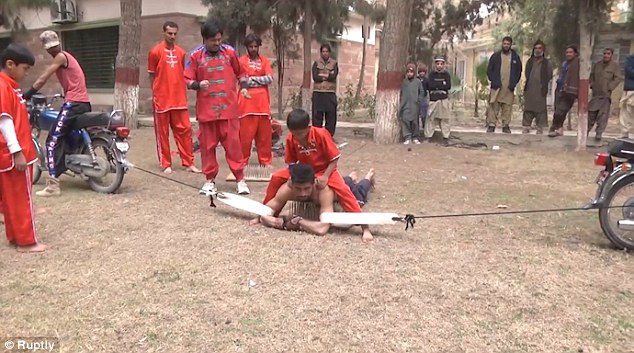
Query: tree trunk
{"x": 366, "y": 34}
{"x": 280, "y": 49}
{"x": 308, "y": 43}
{"x": 392, "y": 59}
{"x": 586, "y": 37}
{"x": 476, "y": 112}
{"x": 126, "y": 88}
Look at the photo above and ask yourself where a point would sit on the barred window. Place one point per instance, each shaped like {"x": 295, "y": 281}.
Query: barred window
{"x": 96, "y": 51}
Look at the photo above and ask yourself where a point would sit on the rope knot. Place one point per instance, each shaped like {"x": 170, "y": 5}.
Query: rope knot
{"x": 409, "y": 220}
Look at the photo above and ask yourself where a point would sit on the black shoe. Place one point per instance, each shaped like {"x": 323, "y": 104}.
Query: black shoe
{"x": 491, "y": 129}
{"x": 445, "y": 142}
{"x": 597, "y": 137}
{"x": 506, "y": 130}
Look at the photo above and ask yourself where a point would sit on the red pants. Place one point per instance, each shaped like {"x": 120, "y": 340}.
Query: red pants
{"x": 226, "y": 132}
{"x": 345, "y": 196}
{"x": 178, "y": 120}
{"x": 15, "y": 193}
{"x": 257, "y": 127}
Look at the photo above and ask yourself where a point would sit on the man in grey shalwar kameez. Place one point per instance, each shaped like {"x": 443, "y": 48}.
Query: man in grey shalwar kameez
{"x": 539, "y": 72}
{"x": 604, "y": 78}
{"x": 412, "y": 95}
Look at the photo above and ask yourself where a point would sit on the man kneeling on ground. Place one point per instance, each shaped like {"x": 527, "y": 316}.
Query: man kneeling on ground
{"x": 302, "y": 187}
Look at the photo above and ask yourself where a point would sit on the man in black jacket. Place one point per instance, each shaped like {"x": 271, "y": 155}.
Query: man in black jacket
{"x": 438, "y": 85}
{"x": 504, "y": 73}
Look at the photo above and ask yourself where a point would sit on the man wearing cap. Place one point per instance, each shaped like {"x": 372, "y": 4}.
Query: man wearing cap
{"x": 438, "y": 86}
{"x": 412, "y": 95}
{"x": 71, "y": 76}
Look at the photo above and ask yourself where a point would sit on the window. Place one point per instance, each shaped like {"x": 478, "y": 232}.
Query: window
{"x": 4, "y": 42}
{"x": 96, "y": 50}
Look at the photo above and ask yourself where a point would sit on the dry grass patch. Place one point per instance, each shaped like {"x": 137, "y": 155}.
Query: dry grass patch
{"x": 155, "y": 269}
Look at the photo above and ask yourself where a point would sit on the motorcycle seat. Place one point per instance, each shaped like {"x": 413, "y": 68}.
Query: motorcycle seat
{"x": 93, "y": 119}
{"x": 622, "y": 148}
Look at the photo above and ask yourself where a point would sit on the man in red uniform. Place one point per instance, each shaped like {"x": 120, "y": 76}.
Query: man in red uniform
{"x": 255, "y": 113}
{"x": 166, "y": 67}
{"x": 313, "y": 146}
{"x": 213, "y": 71}
{"x": 17, "y": 153}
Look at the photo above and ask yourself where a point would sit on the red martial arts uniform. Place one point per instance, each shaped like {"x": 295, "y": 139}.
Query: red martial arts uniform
{"x": 217, "y": 107}
{"x": 255, "y": 113}
{"x": 169, "y": 93}
{"x": 15, "y": 185}
{"x": 321, "y": 150}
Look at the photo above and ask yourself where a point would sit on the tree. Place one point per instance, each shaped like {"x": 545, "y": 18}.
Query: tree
{"x": 126, "y": 88}
{"x": 284, "y": 23}
{"x": 392, "y": 60}
{"x": 372, "y": 13}
{"x": 9, "y": 12}
{"x": 238, "y": 15}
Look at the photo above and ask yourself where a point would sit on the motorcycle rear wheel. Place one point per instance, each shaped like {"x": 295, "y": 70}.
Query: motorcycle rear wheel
{"x": 611, "y": 230}
{"x": 94, "y": 183}
{"x": 37, "y": 166}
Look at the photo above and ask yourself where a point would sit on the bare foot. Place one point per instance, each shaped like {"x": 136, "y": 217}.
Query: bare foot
{"x": 367, "y": 236}
{"x": 254, "y": 221}
{"x": 39, "y": 247}
{"x": 354, "y": 176}
{"x": 167, "y": 170}
{"x": 193, "y": 169}
{"x": 370, "y": 176}
{"x": 1, "y": 218}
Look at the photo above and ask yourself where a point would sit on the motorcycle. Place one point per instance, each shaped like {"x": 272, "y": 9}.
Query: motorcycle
{"x": 614, "y": 197}
{"x": 87, "y": 133}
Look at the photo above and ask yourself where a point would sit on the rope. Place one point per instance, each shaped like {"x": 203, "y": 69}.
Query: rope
{"x": 410, "y": 219}
{"x": 211, "y": 199}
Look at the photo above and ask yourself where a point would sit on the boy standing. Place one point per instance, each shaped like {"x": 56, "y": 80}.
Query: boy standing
{"x": 17, "y": 153}
{"x": 412, "y": 95}
{"x": 438, "y": 86}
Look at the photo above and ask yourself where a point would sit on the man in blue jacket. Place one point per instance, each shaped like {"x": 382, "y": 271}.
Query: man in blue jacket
{"x": 504, "y": 73}
{"x": 627, "y": 101}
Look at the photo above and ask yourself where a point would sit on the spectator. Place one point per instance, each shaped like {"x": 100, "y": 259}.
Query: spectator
{"x": 539, "y": 72}
{"x": 504, "y": 72}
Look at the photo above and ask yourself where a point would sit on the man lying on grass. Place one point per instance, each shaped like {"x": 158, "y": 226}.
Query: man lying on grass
{"x": 302, "y": 187}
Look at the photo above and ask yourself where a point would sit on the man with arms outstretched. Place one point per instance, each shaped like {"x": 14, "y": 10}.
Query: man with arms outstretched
{"x": 302, "y": 187}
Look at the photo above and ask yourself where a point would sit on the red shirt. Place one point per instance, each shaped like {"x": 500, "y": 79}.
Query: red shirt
{"x": 73, "y": 80}
{"x": 260, "y": 102}
{"x": 13, "y": 106}
{"x": 321, "y": 150}
{"x": 222, "y": 70}
{"x": 168, "y": 66}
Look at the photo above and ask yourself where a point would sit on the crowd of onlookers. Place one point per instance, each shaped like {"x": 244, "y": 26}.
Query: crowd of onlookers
{"x": 424, "y": 96}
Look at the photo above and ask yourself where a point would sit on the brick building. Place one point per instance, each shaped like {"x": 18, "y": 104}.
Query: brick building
{"x": 90, "y": 31}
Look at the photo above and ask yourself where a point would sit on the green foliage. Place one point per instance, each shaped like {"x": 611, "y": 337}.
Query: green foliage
{"x": 329, "y": 18}
{"x": 238, "y": 14}
{"x": 347, "y": 103}
{"x": 482, "y": 81}
{"x": 9, "y": 12}
{"x": 451, "y": 20}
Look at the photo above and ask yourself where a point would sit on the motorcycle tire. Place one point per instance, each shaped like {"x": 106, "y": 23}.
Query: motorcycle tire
{"x": 604, "y": 218}
{"x": 37, "y": 167}
{"x": 120, "y": 172}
